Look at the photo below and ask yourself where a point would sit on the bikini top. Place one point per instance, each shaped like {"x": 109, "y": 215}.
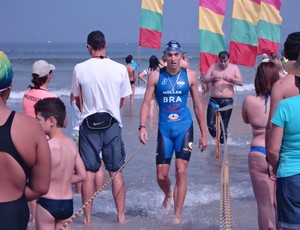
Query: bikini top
{"x": 7, "y": 145}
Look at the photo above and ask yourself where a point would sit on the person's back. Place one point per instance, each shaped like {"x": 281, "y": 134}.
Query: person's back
{"x": 66, "y": 165}
{"x": 31, "y": 96}
{"x": 99, "y": 76}
{"x": 24, "y": 157}
{"x": 63, "y": 158}
{"x": 255, "y": 111}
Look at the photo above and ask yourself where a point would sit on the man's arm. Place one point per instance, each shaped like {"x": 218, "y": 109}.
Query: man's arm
{"x": 244, "y": 110}
{"x": 80, "y": 172}
{"x": 276, "y": 96}
{"x": 198, "y": 109}
{"x": 144, "y": 113}
{"x": 236, "y": 77}
{"x": 208, "y": 75}
{"x": 273, "y": 148}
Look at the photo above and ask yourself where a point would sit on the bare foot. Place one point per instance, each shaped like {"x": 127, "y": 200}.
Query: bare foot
{"x": 87, "y": 220}
{"x": 177, "y": 219}
{"x": 121, "y": 219}
{"x": 166, "y": 204}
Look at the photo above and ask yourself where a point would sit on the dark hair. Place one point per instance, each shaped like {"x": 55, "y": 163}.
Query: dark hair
{"x": 128, "y": 59}
{"x": 153, "y": 62}
{"x": 224, "y": 55}
{"x": 96, "y": 40}
{"x": 38, "y": 81}
{"x": 51, "y": 107}
{"x": 266, "y": 75}
{"x": 292, "y": 46}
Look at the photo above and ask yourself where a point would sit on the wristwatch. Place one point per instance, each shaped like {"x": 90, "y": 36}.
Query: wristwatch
{"x": 141, "y": 126}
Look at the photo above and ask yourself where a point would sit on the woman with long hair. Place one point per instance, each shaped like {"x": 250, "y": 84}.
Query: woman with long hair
{"x": 255, "y": 111}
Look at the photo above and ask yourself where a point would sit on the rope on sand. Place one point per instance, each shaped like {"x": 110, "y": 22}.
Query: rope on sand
{"x": 225, "y": 208}
{"x": 76, "y": 214}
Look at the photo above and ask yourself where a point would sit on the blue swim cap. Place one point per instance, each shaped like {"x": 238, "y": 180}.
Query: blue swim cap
{"x": 6, "y": 72}
{"x": 173, "y": 46}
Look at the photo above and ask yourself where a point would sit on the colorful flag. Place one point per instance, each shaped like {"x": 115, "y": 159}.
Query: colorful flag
{"x": 244, "y": 40}
{"x": 212, "y": 38}
{"x": 269, "y": 26}
{"x": 151, "y": 23}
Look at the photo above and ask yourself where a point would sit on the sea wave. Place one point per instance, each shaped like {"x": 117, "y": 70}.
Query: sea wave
{"x": 139, "y": 91}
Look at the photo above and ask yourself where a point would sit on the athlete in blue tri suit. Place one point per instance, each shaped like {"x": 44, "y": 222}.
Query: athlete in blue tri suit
{"x": 171, "y": 86}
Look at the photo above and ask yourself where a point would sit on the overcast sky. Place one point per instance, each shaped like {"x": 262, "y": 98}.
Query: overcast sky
{"x": 72, "y": 20}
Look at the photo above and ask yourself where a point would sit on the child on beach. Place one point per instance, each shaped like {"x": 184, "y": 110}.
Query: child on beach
{"x": 55, "y": 207}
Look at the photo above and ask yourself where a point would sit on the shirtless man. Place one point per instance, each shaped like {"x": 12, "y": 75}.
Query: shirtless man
{"x": 171, "y": 86}
{"x": 25, "y": 161}
{"x": 285, "y": 87}
{"x": 222, "y": 76}
{"x": 55, "y": 207}
{"x": 131, "y": 74}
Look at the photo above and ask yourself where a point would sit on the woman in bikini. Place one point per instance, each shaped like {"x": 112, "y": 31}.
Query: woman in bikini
{"x": 255, "y": 111}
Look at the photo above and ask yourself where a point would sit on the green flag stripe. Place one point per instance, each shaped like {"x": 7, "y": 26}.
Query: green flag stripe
{"x": 211, "y": 42}
{"x": 151, "y": 20}
{"x": 243, "y": 32}
{"x": 269, "y": 31}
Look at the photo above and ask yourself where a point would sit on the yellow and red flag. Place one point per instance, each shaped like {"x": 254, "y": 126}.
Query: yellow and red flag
{"x": 269, "y": 26}
{"x": 212, "y": 38}
{"x": 151, "y": 23}
{"x": 244, "y": 39}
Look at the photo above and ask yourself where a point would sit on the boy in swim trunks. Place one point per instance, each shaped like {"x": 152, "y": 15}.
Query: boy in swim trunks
{"x": 54, "y": 208}
{"x": 171, "y": 86}
{"x": 221, "y": 76}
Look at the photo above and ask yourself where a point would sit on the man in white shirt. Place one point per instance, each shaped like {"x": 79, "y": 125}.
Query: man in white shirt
{"x": 100, "y": 85}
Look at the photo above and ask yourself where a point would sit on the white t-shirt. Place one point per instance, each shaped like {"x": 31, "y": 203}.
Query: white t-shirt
{"x": 103, "y": 83}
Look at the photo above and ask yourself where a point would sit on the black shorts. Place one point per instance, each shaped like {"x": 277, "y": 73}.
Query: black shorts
{"x": 108, "y": 141}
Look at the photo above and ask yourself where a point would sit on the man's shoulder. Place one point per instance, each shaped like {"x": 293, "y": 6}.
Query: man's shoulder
{"x": 233, "y": 66}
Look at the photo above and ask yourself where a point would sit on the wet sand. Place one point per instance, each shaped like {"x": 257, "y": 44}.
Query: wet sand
{"x": 144, "y": 198}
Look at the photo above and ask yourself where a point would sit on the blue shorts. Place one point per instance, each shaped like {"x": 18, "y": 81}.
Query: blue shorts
{"x": 174, "y": 137}
{"x": 288, "y": 201}
{"x": 108, "y": 141}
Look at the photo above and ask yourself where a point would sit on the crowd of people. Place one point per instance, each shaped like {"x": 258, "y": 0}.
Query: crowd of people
{"x": 40, "y": 168}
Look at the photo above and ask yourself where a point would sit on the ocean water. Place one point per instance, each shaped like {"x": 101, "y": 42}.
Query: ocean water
{"x": 143, "y": 195}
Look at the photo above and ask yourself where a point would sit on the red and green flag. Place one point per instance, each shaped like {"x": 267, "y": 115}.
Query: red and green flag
{"x": 244, "y": 39}
{"x": 151, "y": 23}
{"x": 269, "y": 26}
{"x": 212, "y": 38}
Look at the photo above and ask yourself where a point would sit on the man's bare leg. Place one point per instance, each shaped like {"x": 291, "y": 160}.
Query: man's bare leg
{"x": 119, "y": 194}
{"x": 99, "y": 178}
{"x": 180, "y": 188}
{"x": 88, "y": 188}
{"x": 164, "y": 182}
